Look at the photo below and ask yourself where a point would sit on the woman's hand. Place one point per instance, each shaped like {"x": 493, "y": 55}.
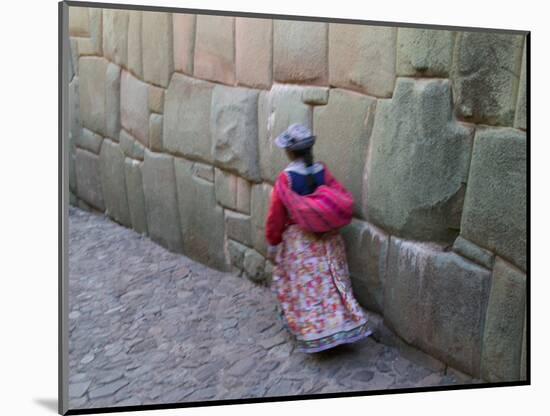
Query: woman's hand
{"x": 272, "y": 253}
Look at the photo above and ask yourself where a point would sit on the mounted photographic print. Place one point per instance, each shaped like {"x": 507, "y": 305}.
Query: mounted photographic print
{"x": 265, "y": 207}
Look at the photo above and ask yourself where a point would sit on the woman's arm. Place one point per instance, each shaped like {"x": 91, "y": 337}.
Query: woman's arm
{"x": 277, "y": 216}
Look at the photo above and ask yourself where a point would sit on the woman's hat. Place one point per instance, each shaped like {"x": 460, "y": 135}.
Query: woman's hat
{"x": 295, "y": 137}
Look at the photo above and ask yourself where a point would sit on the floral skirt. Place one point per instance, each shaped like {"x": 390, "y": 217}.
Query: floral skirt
{"x": 312, "y": 284}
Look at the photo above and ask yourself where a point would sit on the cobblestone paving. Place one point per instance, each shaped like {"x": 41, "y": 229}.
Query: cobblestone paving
{"x": 148, "y": 326}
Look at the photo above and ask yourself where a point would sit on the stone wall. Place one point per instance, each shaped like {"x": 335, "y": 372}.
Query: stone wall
{"x": 171, "y": 133}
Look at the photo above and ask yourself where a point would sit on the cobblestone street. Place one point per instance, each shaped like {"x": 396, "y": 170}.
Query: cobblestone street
{"x": 148, "y": 326}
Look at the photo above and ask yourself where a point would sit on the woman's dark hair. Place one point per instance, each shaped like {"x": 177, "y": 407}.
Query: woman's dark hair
{"x": 307, "y": 155}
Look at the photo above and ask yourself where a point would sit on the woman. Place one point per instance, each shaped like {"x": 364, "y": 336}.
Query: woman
{"x": 310, "y": 276}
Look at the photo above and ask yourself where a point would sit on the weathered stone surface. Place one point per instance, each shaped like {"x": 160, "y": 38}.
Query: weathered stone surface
{"x": 234, "y": 127}
{"x": 113, "y": 184}
{"x": 203, "y": 171}
{"x": 253, "y": 54}
{"x": 423, "y": 159}
{"x": 300, "y": 52}
{"x": 88, "y": 181}
{"x": 362, "y": 58}
{"x": 156, "y": 99}
{"x": 115, "y": 35}
{"x": 422, "y": 306}
{"x": 92, "y": 81}
{"x": 89, "y": 140}
{"x": 238, "y": 227}
{"x": 424, "y": 52}
{"x": 367, "y": 255}
{"x": 92, "y": 44}
{"x": 226, "y": 188}
{"x": 72, "y": 168}
{"x": 134, "y": 191}
{"x": 236, "y": 252}
{"x": 502, "y": 339}
{"x": 74, "y": 55}
{"x": 135, "y": 62}
{"x": 473, "y": 252}
{"x": 495, "y": 205}
{"x": 342, "y": 134}
{"x": 74, "y": 109}
{"x": 485, "y": 76}
{"x": 243, "y": 195}
{"x": 159, "y": 186}
{"x": 134, "y": 111}
{"x": 277, "y": 110}
{"x": 315, "y": 95}
{"x": 215, "y": 48}
{"x": 184, "y": 41}
{"x": 259, "y": 206}
{"x": 79, "y": 24}
{"x": 187, "y": 118}
{"x": 112, "y": 101}
{"x": 520, "y": 120}
{"x": 155, "y": 132}
{"x": 157, "y": 43}
{"x": 130, "y": 146}
{"x": 254, "y": 266}
{"x": 202, "y": 222}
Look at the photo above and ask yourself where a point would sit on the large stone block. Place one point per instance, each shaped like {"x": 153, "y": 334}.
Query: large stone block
{"x": 362, "y": 58}
{"x": 260, "y": 198}
{"x": 232, "y": 191}
{"x": 485, "y": 76}
{"x": 112, "y": 101}
{"x": 161, "y": 206}
{"x": 254, "y": 55}
{"x": 88, "y": 180}
{"x": 503, "y": 336}
{"x": 134, "y": 107}
{"x": 300, "y": 52}
{"x": 278, "y": 109}
{"x": 238, "y": 227}
{"x": 115, "y": 35}
{"x": 186, "y": 124}
{"x": 215, "y": 48}
{"x": 136, "y": 197}
{"x": 72, "y": 164}
{"x": 254, "y": 266}
{"x": 495, "y": 207}
{"x": 437, "y": 300}
{"x": 79, "y": 24}
{"x": 521, "y": 116}
{"x": 74, "y": 55}
{"x": 113, "y": 183}
{"x": 74, "y": 109}
{"x": 473, "y": 252}
{"x": 184, "y": 41}
{"x": 155, "y": 132}
{"x": 135, "y": 60}
{"x": 92, "y": 43}
{"x": 342, "y": 135}
{"x": 424, "y": 52}
{"x": 235, "y": 253}
{"x": 157, "y": 44}
{"x": 89, "y": 140}
{"x": 130, "y": 146}
{"x": 417, "y": 163}
{"x": 202, "y": 222}
{"x": 367, "y": 255}
{"x": 92, "y": 82}
{"x": 234, "y": 127}
{"x": 156, "y": 99}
